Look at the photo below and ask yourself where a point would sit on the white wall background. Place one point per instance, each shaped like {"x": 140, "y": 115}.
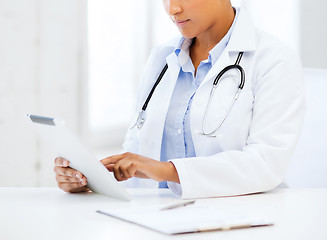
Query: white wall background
{"x": 41, "y": 59}
{"x": 44, "y": 70}
{"x": 313, "y": 34}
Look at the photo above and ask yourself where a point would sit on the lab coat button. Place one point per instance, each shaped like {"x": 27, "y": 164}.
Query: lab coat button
{"x": 179, "y": 131}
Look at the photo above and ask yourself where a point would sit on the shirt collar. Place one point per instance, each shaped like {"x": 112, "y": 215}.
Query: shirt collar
{"x": 182, "y": 50}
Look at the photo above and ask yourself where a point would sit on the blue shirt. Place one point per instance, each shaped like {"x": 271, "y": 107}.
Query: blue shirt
{"x": 177, "y": 138}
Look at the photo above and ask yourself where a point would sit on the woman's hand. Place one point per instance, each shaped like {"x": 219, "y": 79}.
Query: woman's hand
{"x": 127, "y": 165}
{"x": 68, "y": 179}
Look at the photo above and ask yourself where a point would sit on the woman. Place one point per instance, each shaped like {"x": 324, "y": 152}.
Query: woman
{"x": 217, "y": 146}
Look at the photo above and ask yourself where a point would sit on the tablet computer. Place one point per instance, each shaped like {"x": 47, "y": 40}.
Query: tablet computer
{"x": 55, "y": 133}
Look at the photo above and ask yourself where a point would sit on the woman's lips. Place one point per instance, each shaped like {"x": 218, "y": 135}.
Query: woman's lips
{"x": 181, "y": 23}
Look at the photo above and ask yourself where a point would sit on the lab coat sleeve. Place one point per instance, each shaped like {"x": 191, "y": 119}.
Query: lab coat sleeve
{"x": 278, "y": 113}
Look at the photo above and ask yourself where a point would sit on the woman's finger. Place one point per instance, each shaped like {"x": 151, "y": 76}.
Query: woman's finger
{"x": 110, "y": 167}
{"x": 125, "y": 171}
{"x": 81, "y": 189}
{"x": 72, "y": 187}
{"x": 118, "y": 172}
{"x": 68, "y": 172}
{"x": 61, "y": 162}
{"x": 116, "y": 158}
{"x": 64, "y": 171}
{"x": 111, "y": 160}
{"x": 66, "y": 179}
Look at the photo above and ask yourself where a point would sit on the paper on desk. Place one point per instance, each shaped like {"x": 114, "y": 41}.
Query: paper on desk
{"x": 189, "y": 219}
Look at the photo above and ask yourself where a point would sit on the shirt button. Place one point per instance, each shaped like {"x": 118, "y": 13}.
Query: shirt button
{"x": 179, "y": 131}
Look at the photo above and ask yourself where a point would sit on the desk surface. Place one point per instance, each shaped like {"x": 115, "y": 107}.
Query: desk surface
{"x": 49, "y": 213}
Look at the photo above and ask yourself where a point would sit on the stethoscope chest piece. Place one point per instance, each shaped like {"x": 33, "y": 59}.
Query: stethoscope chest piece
{"x": 140, "y": 120}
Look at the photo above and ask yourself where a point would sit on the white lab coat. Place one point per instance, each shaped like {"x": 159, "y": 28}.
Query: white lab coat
{"x": 254, "y": 145}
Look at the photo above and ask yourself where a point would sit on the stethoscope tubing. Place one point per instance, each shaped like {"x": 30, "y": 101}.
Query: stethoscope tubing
{"x": 140, "y": 120}
{"x": 214, "y": 86}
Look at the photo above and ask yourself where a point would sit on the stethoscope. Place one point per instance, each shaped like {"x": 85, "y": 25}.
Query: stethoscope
{"x": 140, "y": 120}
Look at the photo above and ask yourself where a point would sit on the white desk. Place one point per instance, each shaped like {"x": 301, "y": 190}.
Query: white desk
{"x": 48, "y": 213}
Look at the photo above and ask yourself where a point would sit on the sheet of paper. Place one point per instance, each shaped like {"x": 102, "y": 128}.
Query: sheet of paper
{"x": 195, "y": 218}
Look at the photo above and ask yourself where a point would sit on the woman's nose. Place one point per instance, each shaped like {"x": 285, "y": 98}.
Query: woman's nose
{"x": 174, "y": 7}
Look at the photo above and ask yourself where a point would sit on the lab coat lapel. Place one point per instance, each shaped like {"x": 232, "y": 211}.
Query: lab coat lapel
{"x": 225, "y": 91}
{"x": 223, "y": 61}
{"x": 157, "y": 111}
{"x": 243, "y": 39}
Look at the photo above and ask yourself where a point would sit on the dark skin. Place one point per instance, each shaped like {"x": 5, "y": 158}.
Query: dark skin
{"x": 206, "y": 22}
{"x": 124, "y": 166}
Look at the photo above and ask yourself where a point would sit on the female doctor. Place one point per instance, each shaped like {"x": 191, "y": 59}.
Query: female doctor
{"x": 204, "y": 130}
